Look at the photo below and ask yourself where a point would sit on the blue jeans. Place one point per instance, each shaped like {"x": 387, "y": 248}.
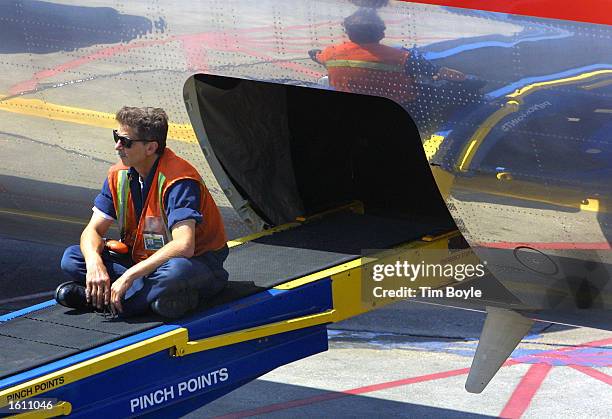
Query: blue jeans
{"x": 203, "y": 274}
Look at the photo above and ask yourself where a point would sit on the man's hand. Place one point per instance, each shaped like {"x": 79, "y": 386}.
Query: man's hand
{"x": 181, "y": 245}
{"x": 118, "y": 290}
{"x": 98, "y": 284}
{"x": 97, "y": 280}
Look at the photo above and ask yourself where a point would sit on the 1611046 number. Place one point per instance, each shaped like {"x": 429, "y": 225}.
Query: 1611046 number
{"x": 30, "y": 404}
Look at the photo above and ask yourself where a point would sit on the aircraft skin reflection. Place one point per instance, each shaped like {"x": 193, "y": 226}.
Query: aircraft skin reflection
{"x": 499, "y": 159}
{"x": 42, "y": 22}
{"x": 519, "y": 148}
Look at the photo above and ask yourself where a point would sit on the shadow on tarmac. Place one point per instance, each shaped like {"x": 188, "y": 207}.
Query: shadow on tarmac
{"x": 271, "y": 399}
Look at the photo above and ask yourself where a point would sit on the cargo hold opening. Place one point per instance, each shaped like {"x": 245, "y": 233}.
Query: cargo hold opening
{"x": 295, "y": 151}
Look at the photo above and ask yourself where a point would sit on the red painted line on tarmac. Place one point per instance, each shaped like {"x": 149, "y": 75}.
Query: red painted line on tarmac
{"x": 548, "y": 245}
{"x": 524, "y": 392}
{"x": 407, "y": 381}
{"x": 337, "y": 395}
{"x": 521, "y": 398}
{"x": 592, "y": 372}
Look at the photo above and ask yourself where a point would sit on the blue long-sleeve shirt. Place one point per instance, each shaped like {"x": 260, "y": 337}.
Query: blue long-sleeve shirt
{"x": 182, "y": 201}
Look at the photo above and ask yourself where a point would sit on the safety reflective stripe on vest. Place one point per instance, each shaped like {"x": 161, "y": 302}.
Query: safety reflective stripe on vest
{"x": 122, "y": 195}
{"x": 161, "y": 180}
{"x": 123, "y": 187}
{"x": 365, "y": 64}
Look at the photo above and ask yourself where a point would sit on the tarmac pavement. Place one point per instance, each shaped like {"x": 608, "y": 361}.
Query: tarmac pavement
{"x": 405, "y": 360}
{"x": 557, "y": 371}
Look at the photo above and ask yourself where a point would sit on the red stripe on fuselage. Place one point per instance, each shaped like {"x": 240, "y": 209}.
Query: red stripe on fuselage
{"x": 591, "y": 11}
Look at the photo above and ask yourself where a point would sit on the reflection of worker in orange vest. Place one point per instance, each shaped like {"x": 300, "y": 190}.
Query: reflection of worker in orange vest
{"x": 166, "y": 217}
{"x": 364, "y": 65}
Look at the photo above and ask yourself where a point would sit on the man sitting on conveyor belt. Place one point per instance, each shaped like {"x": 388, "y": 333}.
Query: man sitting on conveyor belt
{"x": 171, "y": 230}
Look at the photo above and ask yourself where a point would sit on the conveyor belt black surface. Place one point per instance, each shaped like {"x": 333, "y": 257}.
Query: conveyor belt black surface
{"x": 56, "y": 332}
{"x": 317, "y": 245}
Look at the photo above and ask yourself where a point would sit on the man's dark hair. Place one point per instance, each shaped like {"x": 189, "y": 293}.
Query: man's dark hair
{"x": 149, "y": 124}
{"x": 365, "y": 27}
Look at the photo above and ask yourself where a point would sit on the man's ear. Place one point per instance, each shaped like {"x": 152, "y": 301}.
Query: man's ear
{"x": 152, "y": 147}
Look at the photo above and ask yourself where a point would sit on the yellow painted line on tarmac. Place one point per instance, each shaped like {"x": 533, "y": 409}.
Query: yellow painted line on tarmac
{"x": 42, "y": 109}
{"x": 41, "y": 216}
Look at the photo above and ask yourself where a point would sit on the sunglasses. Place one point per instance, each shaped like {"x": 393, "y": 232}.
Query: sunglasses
{"x": 126, "y": 141}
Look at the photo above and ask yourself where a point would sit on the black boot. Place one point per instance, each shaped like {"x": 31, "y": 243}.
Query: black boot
{"x": 176, "y": 305}
{"x": 72, "y": 294}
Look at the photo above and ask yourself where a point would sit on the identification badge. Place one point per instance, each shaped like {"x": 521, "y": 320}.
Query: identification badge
{"x": 153, "y": 234}
{"x": 153, "y": 241}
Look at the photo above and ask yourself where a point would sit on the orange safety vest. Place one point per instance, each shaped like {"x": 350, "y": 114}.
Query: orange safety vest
{"x": 372, "y": 69}
{"x": 153, "y": 224}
